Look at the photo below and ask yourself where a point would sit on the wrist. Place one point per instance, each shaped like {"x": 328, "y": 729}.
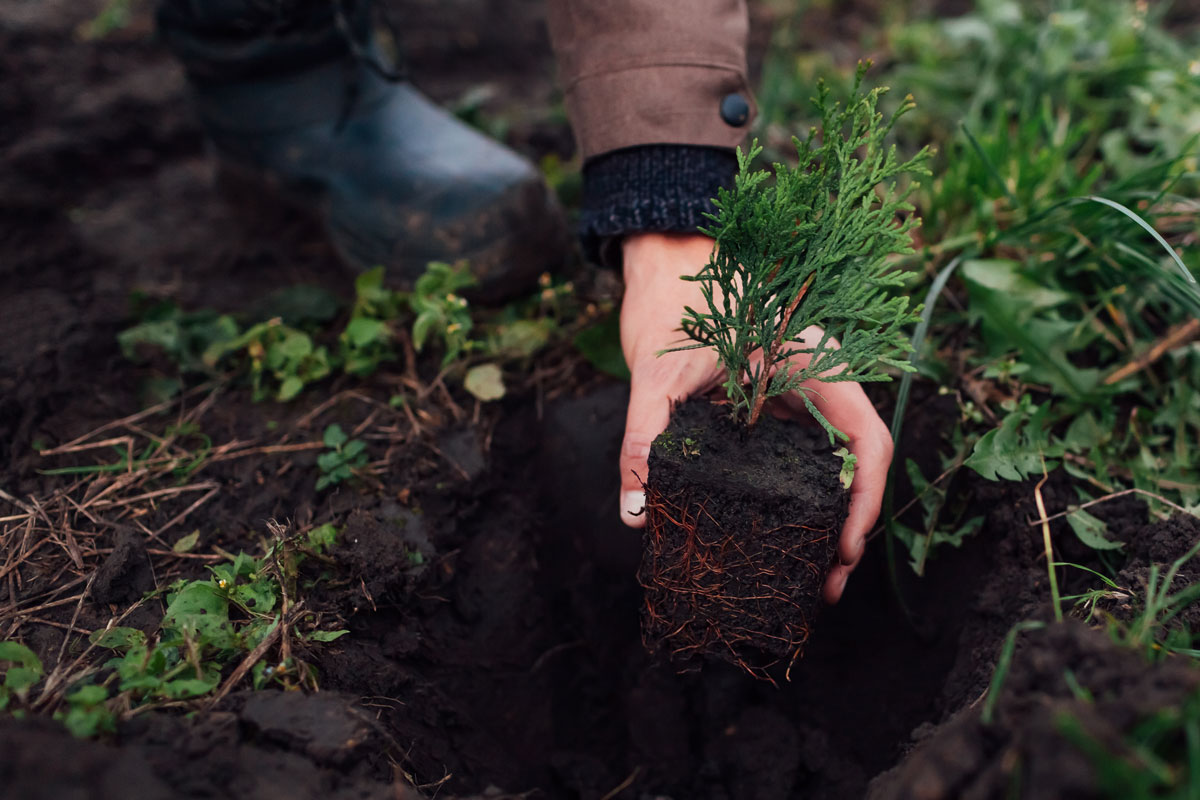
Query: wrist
{"x": 652, "y": 256}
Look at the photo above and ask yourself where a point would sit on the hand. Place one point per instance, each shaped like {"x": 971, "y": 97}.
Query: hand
{"x": 650, "y": 320}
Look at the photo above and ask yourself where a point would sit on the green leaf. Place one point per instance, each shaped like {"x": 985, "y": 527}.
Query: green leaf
{"x": 186, "y": 543}
{"x": 1091, "y": 531}
{"x": 1005, "y": 277}
{"x": 245, "y": 565}
{"x": 1015, "y": 450}
{"x": 921, "y": 544}
{"x": 523, "y": 337}
{"x": 423, "y": 326}
{"x": 330, "y": 461}
{"x": 19, "y": 654}
{"x": 185, "y": 688}
{"x": 369, "y": 281}
{"x": 810, "y": 246}
{"x": 289, "y": 388}
{"x": 164, "y": 335}
{"x": 931, "y": 497}
{"x": 295, "y": 345}
{"x": 1187, "y": 274}
{"x": 19, "y": 680}
{"x": 1007, "y": 301}
{"x": 258, "y": 596}
{"x": 326, "y": 636}
{"x": 89, "y": 695}
{"x": 199, "y": 610}
{"x": 335, "y": 437}
{"x": 1084, "y": 433}
{"x": 322, "y": 537}
{"x": 131, "y": 666}
{"x": 256, "y": 631}
{"x": 485, "y": 382}
{"x": 27, "y": 669}
{"x": 362, "y": 331}
{"x": 87, "y": 716}
{"x": 846, "y": 476}
{"x": 118, "y": 638}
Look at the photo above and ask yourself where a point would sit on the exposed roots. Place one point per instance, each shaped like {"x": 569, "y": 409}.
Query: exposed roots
{"x": 726, "y": 589}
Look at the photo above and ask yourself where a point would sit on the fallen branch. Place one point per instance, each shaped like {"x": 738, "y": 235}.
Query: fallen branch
{"x": 1176, "y": 336}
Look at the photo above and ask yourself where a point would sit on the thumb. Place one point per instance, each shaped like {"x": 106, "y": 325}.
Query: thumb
{"x": 649, "y": 412}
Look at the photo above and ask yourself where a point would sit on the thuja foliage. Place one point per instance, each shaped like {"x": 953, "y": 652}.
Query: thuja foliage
{"x": 811, "y": 248}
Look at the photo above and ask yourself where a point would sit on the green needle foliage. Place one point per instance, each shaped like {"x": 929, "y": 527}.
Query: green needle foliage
{"x": 812, "y": 248}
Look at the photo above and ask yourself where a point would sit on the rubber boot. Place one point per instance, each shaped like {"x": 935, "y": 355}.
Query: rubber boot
{"x": 296, "y": 93}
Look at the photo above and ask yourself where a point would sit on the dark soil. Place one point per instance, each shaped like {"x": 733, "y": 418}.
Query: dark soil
{"x": 509, "y": 654}
{"x": 1069, "y": 688}
{"x": 275, "y": 745}
{"x": 741, "y": 530}
{"x": 1158, "y": 545}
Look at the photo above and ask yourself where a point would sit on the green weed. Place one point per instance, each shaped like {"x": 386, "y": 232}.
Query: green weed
{"x": 22, "y": 669}
{"x": 344, "y": 457}
{"x": 1159, "y": 758}
{"x": 297, "y": 348}
{"x": 440, "y": 313}
{"x": 209, "y": 625}
{"x": 936, "y": 530}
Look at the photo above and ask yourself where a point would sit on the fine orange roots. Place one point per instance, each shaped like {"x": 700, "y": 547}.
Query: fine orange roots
{"x": 747, "y": 596}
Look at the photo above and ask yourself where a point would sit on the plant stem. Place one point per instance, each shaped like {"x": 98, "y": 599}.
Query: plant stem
{"x": 769, "y": 356}
{"x": 1049, "y": 547}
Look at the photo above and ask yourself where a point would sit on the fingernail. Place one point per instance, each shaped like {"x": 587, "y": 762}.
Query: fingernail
{"x": 633, "y": 502}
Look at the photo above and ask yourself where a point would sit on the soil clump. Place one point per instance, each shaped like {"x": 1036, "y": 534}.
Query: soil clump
{"x": 741, "y": 530}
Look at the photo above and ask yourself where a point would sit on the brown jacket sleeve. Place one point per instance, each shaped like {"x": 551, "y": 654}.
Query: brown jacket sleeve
{"x": 638, "y": 72}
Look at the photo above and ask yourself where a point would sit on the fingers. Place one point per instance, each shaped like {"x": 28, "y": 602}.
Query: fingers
{"x": 649, "y": 412}
{"x": 848, "y": 409}
{"x": 835, "y": 583}
{"x": 873, "y": 449}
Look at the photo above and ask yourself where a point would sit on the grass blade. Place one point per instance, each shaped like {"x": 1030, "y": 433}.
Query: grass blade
{"x": 1003, "y": 664}
{"x": 1149, "y": 229}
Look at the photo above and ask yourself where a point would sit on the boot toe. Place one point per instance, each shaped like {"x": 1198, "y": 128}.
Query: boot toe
{"x": 418, "y": 186}
{"x": 397, "y": 181}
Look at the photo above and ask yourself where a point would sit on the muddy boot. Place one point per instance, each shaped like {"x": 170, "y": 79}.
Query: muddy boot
{"x": 294, "y": 92}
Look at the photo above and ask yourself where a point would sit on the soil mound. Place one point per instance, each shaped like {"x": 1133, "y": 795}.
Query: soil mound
{"x": 271, "y": 745}
{"x": 1070, "y": 700}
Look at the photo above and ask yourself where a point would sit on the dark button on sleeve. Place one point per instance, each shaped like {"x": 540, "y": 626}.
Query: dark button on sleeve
{"x": 735, "y": 109}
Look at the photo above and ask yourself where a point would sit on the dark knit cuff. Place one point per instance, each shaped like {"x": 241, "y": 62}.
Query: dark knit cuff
{"x": 660, "y": 187}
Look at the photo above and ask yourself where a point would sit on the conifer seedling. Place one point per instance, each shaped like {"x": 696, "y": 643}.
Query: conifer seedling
{"x": 812, "y": 248}
{"x": 743, "y": 512}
